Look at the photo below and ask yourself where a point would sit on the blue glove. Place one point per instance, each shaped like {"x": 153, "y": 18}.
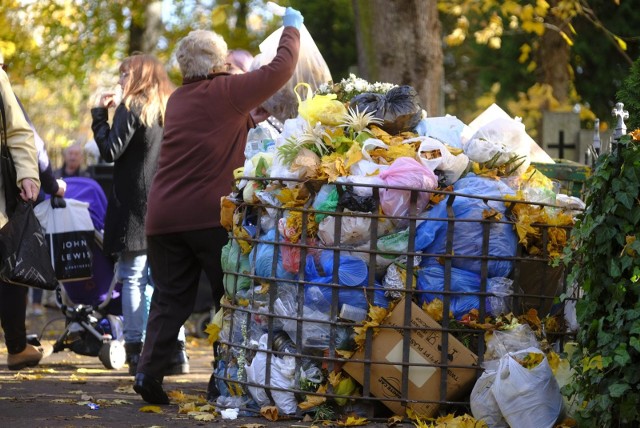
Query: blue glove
{"x": 292, "y": 18}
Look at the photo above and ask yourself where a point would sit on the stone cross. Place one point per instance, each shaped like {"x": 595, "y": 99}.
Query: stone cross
{"x": 620, "y": 114}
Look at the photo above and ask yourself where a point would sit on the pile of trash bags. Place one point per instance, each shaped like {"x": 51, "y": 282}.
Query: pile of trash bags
{"x": 362, "y": 199}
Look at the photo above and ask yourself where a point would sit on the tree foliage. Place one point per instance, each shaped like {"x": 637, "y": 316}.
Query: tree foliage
{"x": 61, "y": 52}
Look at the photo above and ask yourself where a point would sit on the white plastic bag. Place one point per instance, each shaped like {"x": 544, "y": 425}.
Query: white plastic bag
{"x": 451, "y": 166}
{"x": 282, "y": 376}
{"x": 446, "y": 129}
{"x": 483, "y": 404}
{"x": 527, "y": 398}
{"x": 69, "y": 233}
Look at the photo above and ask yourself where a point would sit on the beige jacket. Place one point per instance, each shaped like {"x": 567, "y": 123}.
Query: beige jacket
{"x": 20, "y": 141}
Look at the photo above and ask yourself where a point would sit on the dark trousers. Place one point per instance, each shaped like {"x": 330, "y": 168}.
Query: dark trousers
{"x": 176, "y": 261}
{"x": 13, "y": 312}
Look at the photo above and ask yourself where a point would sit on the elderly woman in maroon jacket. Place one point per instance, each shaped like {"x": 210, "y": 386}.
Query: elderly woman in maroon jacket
{"x": 206, "y": 126}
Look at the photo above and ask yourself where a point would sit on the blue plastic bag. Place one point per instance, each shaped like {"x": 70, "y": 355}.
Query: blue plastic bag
{"x": 353, "y": 276}
{"x": 262, "y": 256}
{"x": 431, "y": 236}
{"x": 431, "y": 279}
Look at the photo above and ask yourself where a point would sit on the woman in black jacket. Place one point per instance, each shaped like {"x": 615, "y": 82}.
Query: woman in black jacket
{"x": 132, "y": 143}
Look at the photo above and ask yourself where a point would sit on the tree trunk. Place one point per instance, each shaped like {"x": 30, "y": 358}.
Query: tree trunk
{"x": 399, "y": 42}
{"x": 554, "y": 59}
{"x": 146, "y": 28}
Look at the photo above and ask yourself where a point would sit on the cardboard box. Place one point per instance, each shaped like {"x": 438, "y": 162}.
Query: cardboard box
{"x": 424, "y": 381}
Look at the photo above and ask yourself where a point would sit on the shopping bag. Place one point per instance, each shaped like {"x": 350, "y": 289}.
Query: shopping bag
{"x": 23, "y": 248}
{"x": 69, "y": 231}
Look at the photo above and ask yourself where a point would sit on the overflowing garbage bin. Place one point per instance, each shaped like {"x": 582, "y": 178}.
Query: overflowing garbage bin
{"x": 369, "y": 272}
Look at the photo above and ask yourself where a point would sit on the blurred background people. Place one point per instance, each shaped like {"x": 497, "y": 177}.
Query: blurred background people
{"x": 239, "y": 61}
{"x": 73, "y": 157}
{"x": 132, "y": 143}
{"x": 207, "y": 122}
{"x": 13, "y": 298}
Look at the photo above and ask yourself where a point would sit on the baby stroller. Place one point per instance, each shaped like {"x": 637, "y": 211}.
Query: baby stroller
{"x": 92, "y": 307}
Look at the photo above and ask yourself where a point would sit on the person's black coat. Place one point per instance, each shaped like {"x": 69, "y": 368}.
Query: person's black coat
{"x": 134, "y": 150}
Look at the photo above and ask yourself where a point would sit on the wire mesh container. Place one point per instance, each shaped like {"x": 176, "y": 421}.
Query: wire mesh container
{"x": 334, "y": 308}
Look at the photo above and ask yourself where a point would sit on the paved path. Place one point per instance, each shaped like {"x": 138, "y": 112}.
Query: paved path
{"x": 64, "y": 389}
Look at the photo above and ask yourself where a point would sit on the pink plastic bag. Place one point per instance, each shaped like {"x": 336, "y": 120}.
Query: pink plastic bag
{"x": 405, "y": 172}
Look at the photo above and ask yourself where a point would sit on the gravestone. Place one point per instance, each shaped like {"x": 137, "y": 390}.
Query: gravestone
{"x": 561, "y": 135}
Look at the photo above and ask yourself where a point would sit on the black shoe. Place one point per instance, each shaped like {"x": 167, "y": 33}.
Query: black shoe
{"x": 133, "y": 351}
{"x": 179, "y": 361}
{"x": 150, "y": 389}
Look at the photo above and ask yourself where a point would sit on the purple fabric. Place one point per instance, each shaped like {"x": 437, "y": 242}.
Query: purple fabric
{"x": 88, "y": 190}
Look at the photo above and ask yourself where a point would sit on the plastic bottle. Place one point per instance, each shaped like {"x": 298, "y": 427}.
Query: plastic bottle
{"x": 282, "y": 343}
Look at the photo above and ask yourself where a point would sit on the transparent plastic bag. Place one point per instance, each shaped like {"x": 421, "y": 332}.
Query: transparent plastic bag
{"x": 311, "y": 69}
{"x": 516, "y": 339}
{"x": 501, "y": 141}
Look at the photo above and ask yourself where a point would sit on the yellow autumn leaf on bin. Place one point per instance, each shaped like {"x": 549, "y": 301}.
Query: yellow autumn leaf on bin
{"x": 333, "y": 166}
{"x": 242, "y": 238}
{"x": 312, "y": 401}
{"x": 294, "y": 224}
{"x": 387, "y": 156}
{"x": 270, "y": 412}
{"x": 334, "y": 378}
{"x": 394, "y": 420}
{"x": 213, "y": 329}
{"x": 295, "y": 197}
{"x": 531, "y": 360}
{"x": 150, "y": 409}
{"x": 353, "y": 155}
{"x": 353, "y": 421}
{"x": 376, "y": 316}
{"x": 435, "y": 309}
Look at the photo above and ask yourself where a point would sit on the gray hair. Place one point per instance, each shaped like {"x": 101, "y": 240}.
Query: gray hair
{"x": 199, "y": 52}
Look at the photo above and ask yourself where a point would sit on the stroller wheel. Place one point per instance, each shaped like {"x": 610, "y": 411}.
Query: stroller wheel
{"x": 201, "y": 325}
{"x": 112, "y": 355}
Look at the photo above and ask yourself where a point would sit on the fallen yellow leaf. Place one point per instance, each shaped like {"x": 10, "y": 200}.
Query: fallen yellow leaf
{"x": 150, "y": 409}
{"x": 87, "y": 416}
{"x": 202, "y": 416}
{"x": 127, "y": 389}
{"x": 394, "y": 420}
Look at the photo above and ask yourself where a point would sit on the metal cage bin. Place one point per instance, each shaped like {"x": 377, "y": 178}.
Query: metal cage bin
{"x": 333, "y": 308}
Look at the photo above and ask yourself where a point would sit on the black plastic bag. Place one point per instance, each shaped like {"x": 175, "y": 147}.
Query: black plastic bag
{"x": 399, "y": 108}
{"x": 23, "y": 248}
{"x": 353, "y": 202}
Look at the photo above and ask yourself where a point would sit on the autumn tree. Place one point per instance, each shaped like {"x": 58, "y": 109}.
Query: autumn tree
{"x": 545, "y": 33}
